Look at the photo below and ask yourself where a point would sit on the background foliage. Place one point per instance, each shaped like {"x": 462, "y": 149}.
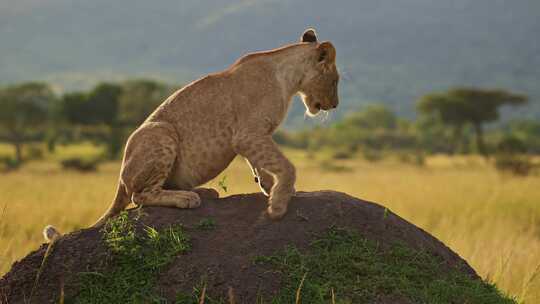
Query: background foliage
{"x": 388, "y": 51}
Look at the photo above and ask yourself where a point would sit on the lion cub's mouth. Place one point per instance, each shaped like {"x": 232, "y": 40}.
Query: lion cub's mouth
{"x": 320, "y": 107}
{"x": 315, "y": 109}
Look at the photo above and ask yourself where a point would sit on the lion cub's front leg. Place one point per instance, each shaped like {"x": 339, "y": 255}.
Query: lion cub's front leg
{"x": 263, "y": 154}
{"x": 262, "y": 178}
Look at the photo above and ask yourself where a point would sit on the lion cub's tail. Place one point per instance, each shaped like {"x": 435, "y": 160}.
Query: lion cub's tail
{"x": 120, "y": 202}
{"x": 50, "y": 233}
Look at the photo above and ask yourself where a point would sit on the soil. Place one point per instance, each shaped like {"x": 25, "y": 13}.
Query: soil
{"x": 223, "y": 255}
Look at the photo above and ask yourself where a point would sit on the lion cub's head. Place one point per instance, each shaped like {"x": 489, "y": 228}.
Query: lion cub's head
{"x": 319, "y": 88}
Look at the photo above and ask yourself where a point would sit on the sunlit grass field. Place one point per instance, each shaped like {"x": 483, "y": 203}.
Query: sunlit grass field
{"x": 491, "y": 220}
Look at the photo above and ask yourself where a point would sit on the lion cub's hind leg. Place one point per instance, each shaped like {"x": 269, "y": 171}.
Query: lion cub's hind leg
{"x": 150, "y": 156}
{"x": 168, "y": 198}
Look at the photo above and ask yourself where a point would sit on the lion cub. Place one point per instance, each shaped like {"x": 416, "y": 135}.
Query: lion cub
{"x": 196, "y": 132}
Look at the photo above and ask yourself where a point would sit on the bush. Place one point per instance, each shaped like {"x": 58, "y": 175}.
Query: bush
{"x": 510, "y": 157}
{"x": 372, "y": 155}
{"x": 415, "y": 158}
{"x": 342, "y": 154}
{"x": 80, "y": 164}
{"x": 34, "y": 152}
{"x": 516, "y": 164}
{"x": 8, "y": 164}
{"x": 330, "y": 166}
{"x": 511, "y": 145}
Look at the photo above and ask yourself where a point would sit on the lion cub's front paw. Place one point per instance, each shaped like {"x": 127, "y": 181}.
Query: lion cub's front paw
{"x": 207, "y": 193}
{"x": 276, "y": 213}
{"x": 189, "y": 200}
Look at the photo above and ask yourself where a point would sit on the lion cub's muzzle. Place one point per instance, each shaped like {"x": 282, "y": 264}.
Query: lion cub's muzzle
{"x": 334, "y": 104}
{"x": 327, "y": 106}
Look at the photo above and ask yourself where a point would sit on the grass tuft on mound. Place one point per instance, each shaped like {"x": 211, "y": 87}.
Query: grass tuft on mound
{"x": 342, "y": 267}
{"x": 135, "y": 261}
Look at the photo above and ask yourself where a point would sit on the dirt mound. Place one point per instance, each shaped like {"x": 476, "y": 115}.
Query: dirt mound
{"x": 234, "y": 247}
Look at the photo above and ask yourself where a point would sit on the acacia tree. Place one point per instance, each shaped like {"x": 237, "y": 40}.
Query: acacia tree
{"x": 460, "y": 106}
{"x": 24, "y": 112}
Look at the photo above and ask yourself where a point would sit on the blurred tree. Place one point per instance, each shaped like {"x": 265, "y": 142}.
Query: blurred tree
{"x": 24, "y": 112}
{"x": 433, "y": 135}
{"x": 375, "y": 127}
{"x": 139, "y": 99}
{"x": 511, "y": 156}
{"x": 529, "y": 132}
{"x": 511, "y": 145}
{"x": 372, "y": 117}
{"x": 104, "y": 103}
{"x": 116, "y": 107}
{"x": 99, "y": 106}
{"x": 74, "y": 108}
{"x": 460, "y": 106}
{"x": 97, "y": 109}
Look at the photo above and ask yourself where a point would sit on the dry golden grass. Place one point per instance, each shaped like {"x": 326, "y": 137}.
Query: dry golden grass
{"x": 493, "y": 221}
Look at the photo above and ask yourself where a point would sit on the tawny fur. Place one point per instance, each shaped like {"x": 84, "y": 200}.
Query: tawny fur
{"x": 196, "y": 132}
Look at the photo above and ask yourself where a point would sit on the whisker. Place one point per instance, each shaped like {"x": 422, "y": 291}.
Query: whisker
{"x": 323, "y": 116}
{"x": 328, "y": 117}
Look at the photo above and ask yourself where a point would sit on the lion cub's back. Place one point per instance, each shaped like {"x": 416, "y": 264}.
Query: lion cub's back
{"x": 202, "y": 101}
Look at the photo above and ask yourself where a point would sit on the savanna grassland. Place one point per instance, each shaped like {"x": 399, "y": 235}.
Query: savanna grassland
{"x": 490, "y": 219}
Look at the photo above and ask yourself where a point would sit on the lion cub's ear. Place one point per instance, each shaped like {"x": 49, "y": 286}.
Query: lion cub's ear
{"x": 309, "y": 35}
{"x": 327, "y": 52}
